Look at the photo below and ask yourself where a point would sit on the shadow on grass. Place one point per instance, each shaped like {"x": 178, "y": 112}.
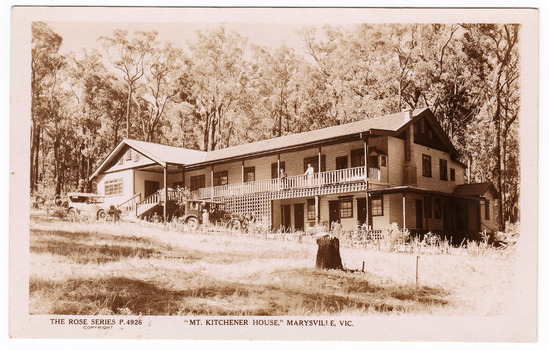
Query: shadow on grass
{"x": 121, "y": 295}
{"x": 84, "y": 247}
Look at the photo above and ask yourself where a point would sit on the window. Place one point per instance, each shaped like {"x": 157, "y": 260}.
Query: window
{"x": 221, "y": 178}
{"x": 314, "y": 163}
{"x": 426, "y": 165}
{"x": 373, "y": 162}
{"x": 422, "y": 126}
{"x": 376, "y": 202}
{"x": 427, "y": 204}
{"x": 346, "y": 208}
{"x": 114, "y": 187}
{"x": 311, "y": 209}
{"x": 341, "y": 162}
{"x": 121, "y": 160}
{"x": 383, "y": 160}
{"x": 129, "y": 154}
{"x": 487, "y": 209}
{"x": 438, "y": 208}
{"x": 198, "y": 181}
{"x": 452, "y": 174}
{"x": 357, "y": 158}
{"x": 274, "y": 169}
{"x": 443, "y": 169}
{"x": 249, "y": 174}
{"x": 135, "y": 156}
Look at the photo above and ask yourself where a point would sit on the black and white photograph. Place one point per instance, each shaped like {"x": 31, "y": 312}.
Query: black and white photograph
{"x": 274, "y": 173}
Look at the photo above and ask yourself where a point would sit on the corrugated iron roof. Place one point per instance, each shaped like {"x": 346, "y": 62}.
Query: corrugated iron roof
{"x": 391, "y": 122}
{"x": 476, "y": 189}
{"x": 163, "y": 154}
{"x": 168, "y": 154}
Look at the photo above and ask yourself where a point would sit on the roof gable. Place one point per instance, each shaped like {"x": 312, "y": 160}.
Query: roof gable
{"x": 476, "y": 189}
{"x": 155, "y": 152}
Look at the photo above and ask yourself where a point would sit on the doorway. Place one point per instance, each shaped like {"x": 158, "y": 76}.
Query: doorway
{"x": 286, "y": 219}
{"x": 419, "y": 214}
{"x": 361, "y": 210}
{"x": 299, "y": 217}
{"x": 334, "y": 212}
{"x": 151, "y": 187}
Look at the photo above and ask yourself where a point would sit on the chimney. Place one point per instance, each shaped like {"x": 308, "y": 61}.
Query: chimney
{"x": 408, "y": 114}
{"x": 409, "y": 168}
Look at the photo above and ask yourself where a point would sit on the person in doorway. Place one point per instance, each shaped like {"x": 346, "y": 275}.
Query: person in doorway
{"x": 309, "y": 172}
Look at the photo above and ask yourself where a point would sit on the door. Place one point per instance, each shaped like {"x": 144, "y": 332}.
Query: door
{"x": 286, "y": 219}
{"x": 341, "y": 163}
{"x": 361, "y": 210}
{"x": 151, "y": 187}
{"x": 299, "y": 217}
{"x": 419, "y": 214}
{"x": 334, "y": 211}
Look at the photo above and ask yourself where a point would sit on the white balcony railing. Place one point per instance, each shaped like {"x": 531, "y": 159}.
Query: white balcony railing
{"x": 292, "y": 182}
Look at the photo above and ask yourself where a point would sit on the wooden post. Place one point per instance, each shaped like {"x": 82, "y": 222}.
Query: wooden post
{"x": 327, "y": 256}
{"x": 317, "y": 210}
{"x": 319, "y": 166}
{"x": 242, "y": 175}
{"x": 367, "y": 182}
{"x": 212, "y": 182}
{"x": 165, "y": 211}
{"x": 183, "y": 177}
{"x": 403, "y": 210}
{"x": 278, "y": 170}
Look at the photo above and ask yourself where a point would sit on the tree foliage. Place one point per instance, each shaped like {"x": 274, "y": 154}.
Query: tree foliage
{"x": 218, "y": 91}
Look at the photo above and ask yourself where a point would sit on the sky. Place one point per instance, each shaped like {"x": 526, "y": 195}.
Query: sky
{"x": 77, "y": 35}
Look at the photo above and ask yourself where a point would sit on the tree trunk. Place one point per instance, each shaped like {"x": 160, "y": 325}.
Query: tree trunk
{"x": 328, "y": 256}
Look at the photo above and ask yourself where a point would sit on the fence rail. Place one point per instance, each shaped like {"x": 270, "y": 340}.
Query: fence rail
{"x": 341, "y": 176}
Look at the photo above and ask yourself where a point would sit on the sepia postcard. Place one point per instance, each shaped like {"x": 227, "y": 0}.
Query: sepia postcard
{"x": 349, "y": 174}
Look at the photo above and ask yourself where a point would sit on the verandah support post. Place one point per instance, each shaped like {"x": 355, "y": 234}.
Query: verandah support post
{"x": 242, "y": 175}
{"x": 403, "y": 210}
{"x": 317, "y": 210}
{"x": 319, "y": 166}
{"x": 212, "y": 182}
{"x": 165, "y": 211}
{"x": 367, "y": 182}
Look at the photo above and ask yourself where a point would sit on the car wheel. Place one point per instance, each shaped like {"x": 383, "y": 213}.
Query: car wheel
{"x": 236, "y": 224}
{"x": 193, "y": 223}
{"x": 101, "y": 215}
{"x": 72, "y": 212}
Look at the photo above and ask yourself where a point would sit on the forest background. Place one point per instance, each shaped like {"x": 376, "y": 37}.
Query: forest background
{"x": 219, "y": 90}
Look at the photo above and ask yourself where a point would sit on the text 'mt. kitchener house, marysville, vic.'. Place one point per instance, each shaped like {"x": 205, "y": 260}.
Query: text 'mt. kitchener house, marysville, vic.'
{"x": 399, "y": 168}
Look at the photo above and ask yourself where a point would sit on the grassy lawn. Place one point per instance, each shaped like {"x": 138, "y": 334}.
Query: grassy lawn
{"x": 125, "y": 268}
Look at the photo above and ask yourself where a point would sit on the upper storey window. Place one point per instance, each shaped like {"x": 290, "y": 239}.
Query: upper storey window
{"x": 426, "y": 165}
{"x": 443, "y": 169}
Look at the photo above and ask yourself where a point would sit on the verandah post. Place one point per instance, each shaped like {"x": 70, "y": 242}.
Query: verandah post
{"x": 367, "y": 182}
{"x": 165, "y": 211}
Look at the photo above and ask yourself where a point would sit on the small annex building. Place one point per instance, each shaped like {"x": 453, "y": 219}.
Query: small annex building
{"x": 398, "y": 168}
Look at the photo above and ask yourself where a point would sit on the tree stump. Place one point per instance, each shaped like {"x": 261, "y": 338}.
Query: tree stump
{"x": 328, "y": 256}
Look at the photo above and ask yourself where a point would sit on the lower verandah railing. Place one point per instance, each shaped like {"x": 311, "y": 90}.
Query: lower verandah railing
{"x": 341, "y": 176}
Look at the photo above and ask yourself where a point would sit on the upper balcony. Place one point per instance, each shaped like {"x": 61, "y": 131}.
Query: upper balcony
{"x": 297, "y": 182}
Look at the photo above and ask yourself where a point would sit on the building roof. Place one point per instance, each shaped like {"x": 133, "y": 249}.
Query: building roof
{"x": 167, "y": 154}
{"x": 392, "y": 122}
{"x": 476, "y": 189}
{"x": 161, "y": 154}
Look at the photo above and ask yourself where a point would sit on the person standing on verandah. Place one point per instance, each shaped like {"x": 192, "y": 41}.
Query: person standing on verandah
{"x": 309, "y": 172}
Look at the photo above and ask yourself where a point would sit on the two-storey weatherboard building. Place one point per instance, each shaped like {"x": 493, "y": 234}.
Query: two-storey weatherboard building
{"x": 399, "y": 168}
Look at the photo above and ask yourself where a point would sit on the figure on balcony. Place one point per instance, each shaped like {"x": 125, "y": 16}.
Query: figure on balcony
{"x": 309, "y": 172}
{"x": 283, "y": 180}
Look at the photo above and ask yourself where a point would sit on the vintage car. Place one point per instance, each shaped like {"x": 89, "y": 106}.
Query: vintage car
{"x": 87, "y": 204}
{"x": 194, "y": 211}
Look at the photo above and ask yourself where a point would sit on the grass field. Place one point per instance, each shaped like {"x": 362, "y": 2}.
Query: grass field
{"x": 130, "y": 269}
